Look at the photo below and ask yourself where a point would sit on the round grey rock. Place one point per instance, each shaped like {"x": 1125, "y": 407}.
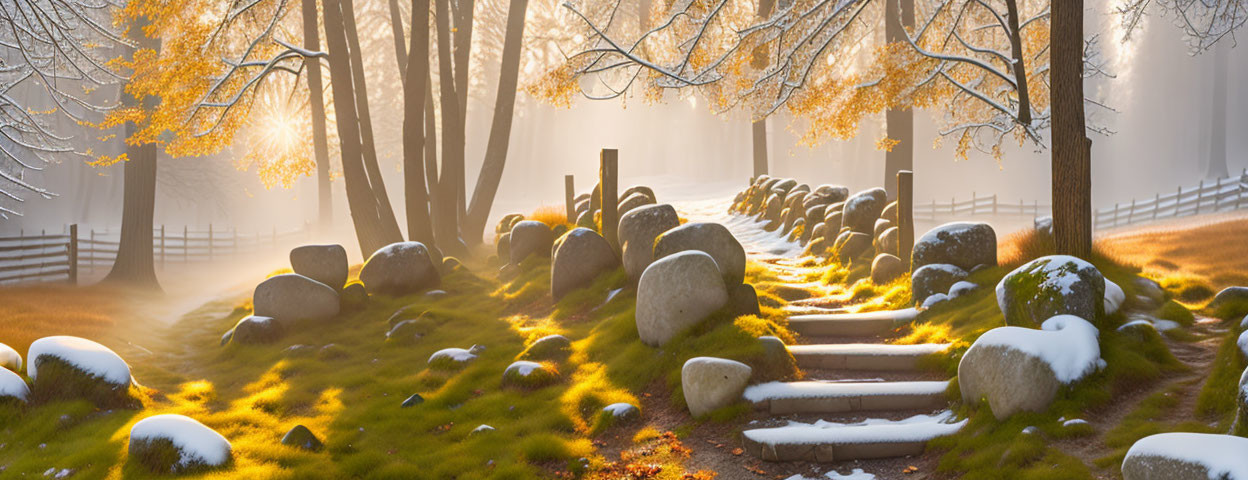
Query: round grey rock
{"x": 401, "y": 268}
{"x": 530, "y": 238}
{"x": 711, "y": 238}
{"x": 582, "y": 256}
{"x": 638, "y": 230}
{"x": 963, "y": 244}
{"x": 324, "y": 263}
{"x": 675, "y": 293}
{"x": 291, "y": 298}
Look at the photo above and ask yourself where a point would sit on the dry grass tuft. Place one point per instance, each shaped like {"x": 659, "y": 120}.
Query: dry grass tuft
{"x": 1214, "y": 251}
{"x": 33, "y": 312}
{"x": 551, "y": 215}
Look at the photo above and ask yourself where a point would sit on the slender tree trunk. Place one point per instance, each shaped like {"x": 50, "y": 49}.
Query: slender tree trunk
{"x": 1019, "y": 68}
{"x": 759, "y": 130}
{"x": 899, "y": 123}
{"x": 316, "y": 92}
{"x": 500, "y": 130}
{"x": 419, "y": 225}
{"x": 1217, "y": 132}
{"x": 450, "y": 185}
{"x": 431, "y": 148}
{"x": 1072, "y": 149}
{"x": 360, "y": 197}
{"x": 134, "y": 265}
{"x": 396, "y": 27}
{"x": 385, "y": 212}
{"x": 462, "y": 54}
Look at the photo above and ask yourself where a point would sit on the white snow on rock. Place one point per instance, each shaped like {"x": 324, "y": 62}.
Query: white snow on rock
{"x": 933, "y": 299}
{"x": 196, "y": 442}
{"x": 961, "y": 288}
{"x": 453, "y": 354}
{"x": 1074, "y": 421}
{"x": 871, "y": 349}
{"x": 1243, "y": 342}
{"x": 1223, "y": 455}
{"x": 9, "y": 358}
{"x": 813, "y": 389}
{"x": 1114, "y": 296}
{"x": 521, "y": 367}
{"x": 83, "y": 354}
{"x": 12, "y": 385}
{"x": 618, "y": 409}
{"x": 1054, "y": 275}
{"x": 1066, "y": 342}
{"x": 857, "y": 474}
{"x": 1243, "y": 323}
{"x": 919, "y": 428}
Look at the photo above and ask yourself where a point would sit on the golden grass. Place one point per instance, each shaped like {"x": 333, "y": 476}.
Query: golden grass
{"x": 33, "y": 312}
{"x": 1215, "y": 251}
{"x": 551, "y": 215}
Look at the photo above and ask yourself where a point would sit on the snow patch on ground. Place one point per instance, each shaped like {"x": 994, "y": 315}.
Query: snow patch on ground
{"x": 1223, "y": 455}
{"x": 1066, "y": 342}
{"x": 903, "y": 315}
{"x": 196, "y": 442}
{"x": 1114, "y": 297}
{"x": 84, "y": 354}
{"x": 814, "y": 389}
{"x": 12, "y": 385}
{"x": 453, "y": 354}
{"x": 857, "y": 474}
{"x": 919, "y": 428}
{"x": 756, "y": 241}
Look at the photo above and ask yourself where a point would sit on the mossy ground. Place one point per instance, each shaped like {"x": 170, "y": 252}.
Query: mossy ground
{"x": 349, "y": 385}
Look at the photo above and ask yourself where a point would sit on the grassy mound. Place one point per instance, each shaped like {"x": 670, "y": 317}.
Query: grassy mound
{"x": 346, "y": 382}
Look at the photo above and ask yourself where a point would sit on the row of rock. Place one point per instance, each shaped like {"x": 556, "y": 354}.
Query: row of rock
{"x": 588, "y": 215}
{"x": 65, "y": 368}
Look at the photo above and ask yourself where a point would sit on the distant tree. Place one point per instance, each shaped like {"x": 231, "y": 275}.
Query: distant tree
{"x": 55, "y": 62}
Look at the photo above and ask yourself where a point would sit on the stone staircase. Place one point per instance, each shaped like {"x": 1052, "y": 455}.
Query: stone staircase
{"x": 862, "y": 398}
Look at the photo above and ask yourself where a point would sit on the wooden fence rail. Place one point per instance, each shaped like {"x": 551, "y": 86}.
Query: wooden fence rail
{"x": 1224, "y": 194}
{"x": 48, "y": 258}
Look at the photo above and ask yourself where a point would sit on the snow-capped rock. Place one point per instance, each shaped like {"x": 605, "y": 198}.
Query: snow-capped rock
{"x": 1187, "y": 456}
{"x": 82, "y": 354}
{"x": 13, "y": 386}
{"x": 1050, "y": 286}
{"x": 963, "y": 244}
{"x": 9, "y": 358}
{"x": 197, "y": 445}
{"x": 1114, "y": 297}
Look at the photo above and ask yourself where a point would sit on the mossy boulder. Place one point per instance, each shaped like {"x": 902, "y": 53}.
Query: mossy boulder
{"x": 1185, "y": 456}
{"x": 175, "y": 444}
{"x": 525, "y": 374}
{"x": 551, "y": 347}
{"x": 72, "y": 368}
{"x": 401, "y": 268}
{"x": 453, "y": 358}
{"x": 932, "y": 279}
{"x": 1051, "y": 286}
{"x": 301, "y": 437}
{"x": 292, "y": 299}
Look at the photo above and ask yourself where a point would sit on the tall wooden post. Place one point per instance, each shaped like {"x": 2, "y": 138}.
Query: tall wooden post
{"x": 607, "y": 178}
{"x": 162, "y": 245}
{"x": 73, "y": 254}
{"x": 759, "y": 132}
{"x": 209, "y": 242}
{"x": 905, "y": 216}
{"x": 569, "y": 197}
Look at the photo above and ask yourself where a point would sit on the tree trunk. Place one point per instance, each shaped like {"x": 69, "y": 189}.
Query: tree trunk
{"x": 500, "y": 130}
{"x": 1072, "y": 150}
{"x": 385, "y": 212}
{"x": 447, "y": 228}
{"x": 1217, "y": 132}
{"x": 360, "y": 197}
{"x": 1019, "y": 68}
{"x": 759, "y": 129}
{"x": 134, "y": 265}
{"x": 899, "y": 123}
{"x": 396, "y": 28}
{"x": 419, "y": 225}
{"x": 462, "y": 54}
{"x": 316, "y": 92}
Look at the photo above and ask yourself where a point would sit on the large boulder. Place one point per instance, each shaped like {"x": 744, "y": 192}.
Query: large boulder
{"x": 677, "y": 292}
{"x": 324, "y": 263}
{"x": 931, "y": 279}
{"x": 712, "y": 383}
{"x": 175, "y": 444}
{"x": 1020, "y": 369}
{"x": 1186, "y": 456}
{"x": 291, "y": 298}
{"x": 400, "y": 269}
{"x": 581, "y": 257}
{"x": 964, "y": 244}
{"x": 530, "y": 238}
{"x": 712, "y": 238}
{"x": 862, "y": 209}
{"x": 638, "y": 230}
{"x": 1049, "y": 286}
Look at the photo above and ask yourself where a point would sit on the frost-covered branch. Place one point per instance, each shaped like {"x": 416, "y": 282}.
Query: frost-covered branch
{"x": 1204, "y": 22}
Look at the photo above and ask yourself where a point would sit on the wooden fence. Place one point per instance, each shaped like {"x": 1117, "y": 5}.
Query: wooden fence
{"x": 1224, "y": 194}
{"x": 61, "y": 257}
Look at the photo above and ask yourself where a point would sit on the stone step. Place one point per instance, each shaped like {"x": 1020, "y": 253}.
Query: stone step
{"x": 851, "y": 324}
{"x": 827, "y": 442}
{"x": 780, "y": 398}
{"x": 864, "y": 356}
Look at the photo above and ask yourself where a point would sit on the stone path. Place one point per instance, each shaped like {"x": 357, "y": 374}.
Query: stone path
{"x": 862, "y": 398}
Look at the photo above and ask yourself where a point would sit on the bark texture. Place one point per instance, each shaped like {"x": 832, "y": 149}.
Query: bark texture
{"x": 1072, "y": 149}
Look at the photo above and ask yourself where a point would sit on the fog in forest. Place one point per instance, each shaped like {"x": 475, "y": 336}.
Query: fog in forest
{"x": 1158, "y": 85}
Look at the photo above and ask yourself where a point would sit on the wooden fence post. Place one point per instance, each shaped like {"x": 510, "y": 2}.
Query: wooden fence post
{"x": 1131, "y": 212}
{"x": 607, "y": 178}
{"x": 1156, "y": 205}
{"x": 162, "y": 245}
{"x": 569, "y": 197}
{"x": 73, "y": 254}
{"x": 91, "y": 262}
{"x": 1200, "y": 195}
{"x": 905, "y": 216}
{"x": 209, "y": 242}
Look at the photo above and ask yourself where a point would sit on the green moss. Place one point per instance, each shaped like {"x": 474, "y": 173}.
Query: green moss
{"x": 1147, "y": 419}
{"x": 58, "y": 381}
{"x": 988, "y": 449}
{"x": 1217, "y": 397}
{"x": 1176, "y": 312}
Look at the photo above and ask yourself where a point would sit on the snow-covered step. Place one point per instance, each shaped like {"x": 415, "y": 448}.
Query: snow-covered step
{"x": 793, "y": 309}
{"x": 864, "y": 356}
{"x": 835, "y": 442}
{"x": 780, "y": 398}
{"x": 851, "y": 324}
